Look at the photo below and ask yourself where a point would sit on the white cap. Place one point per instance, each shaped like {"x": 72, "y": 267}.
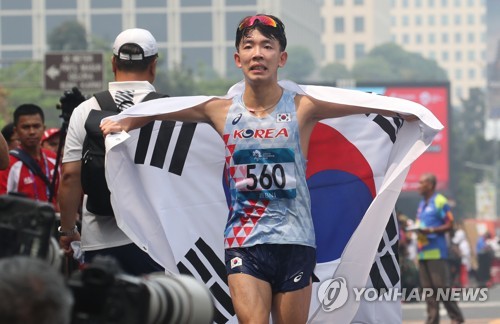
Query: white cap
{"x": 137, "y": 36}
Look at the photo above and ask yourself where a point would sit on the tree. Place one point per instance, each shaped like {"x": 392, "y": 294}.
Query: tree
{"x": 390, "y": 62}
{"x": 334, "y": 71}
{"x": 300, "y": 64}
{"x": 70, "y": 35}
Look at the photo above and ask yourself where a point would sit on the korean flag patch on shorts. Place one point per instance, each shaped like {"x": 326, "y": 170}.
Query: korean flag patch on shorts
{"x": 283, "y": 118}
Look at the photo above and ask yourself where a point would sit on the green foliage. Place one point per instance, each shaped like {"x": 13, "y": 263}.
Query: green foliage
{"x": 390, "y": 62}
{"x": 334, "y": 71}
{"x": 468, "y": 144}
{"x": 69, "y": 36}
{"x": 300, "y": 64}
{"x": 22, "y": 82}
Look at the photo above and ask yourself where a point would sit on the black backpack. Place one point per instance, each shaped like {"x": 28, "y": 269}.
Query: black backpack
{"x": 92, "y": 173}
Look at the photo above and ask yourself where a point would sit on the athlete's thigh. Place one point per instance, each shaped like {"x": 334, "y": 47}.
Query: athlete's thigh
{"x": 292, "y": 306}
{"x": 252, "y": 298}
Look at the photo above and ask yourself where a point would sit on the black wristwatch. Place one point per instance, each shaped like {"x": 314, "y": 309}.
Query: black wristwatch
{"x": 72, "y": 232}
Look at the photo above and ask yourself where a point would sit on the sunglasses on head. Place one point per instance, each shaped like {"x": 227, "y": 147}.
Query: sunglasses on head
{"x": 250, "y": 21}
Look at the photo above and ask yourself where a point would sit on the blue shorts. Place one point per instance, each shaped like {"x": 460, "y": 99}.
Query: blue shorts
{"x": 286, "y": 267}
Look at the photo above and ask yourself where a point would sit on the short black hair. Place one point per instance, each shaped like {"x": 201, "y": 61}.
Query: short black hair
{"x": 8, "y": 131}
{"x": 27, "y": 109}
{"x": 133, "y": 65}
{"x": 277, "y": 32}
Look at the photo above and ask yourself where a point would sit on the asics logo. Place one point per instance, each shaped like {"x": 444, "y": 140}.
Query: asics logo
{"x": 298, "y": 277}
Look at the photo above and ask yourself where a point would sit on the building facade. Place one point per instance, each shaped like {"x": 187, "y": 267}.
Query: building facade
{"x": 196, "y": 33}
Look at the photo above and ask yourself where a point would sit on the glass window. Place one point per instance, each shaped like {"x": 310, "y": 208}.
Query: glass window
{"x": 471, "y": 56}
{"x": 472, "y": 73}
{"x": 338, "y": 2}
{"x": 406, "y": 39}
{"x": 458, "y": 38}
{"x": 444, "y": 38}
{"x": 418, "y": 20}
{"x": 197, "y": 27}
{"x": 15, "y": 4}
{"x": 196, "y": 58}
{"x": 60, "y": 4}
{"x": 339, "y": 52}
{"x": 445, "y": 56}
{"x": 405, "y": 20}
{"x": 458, "y": 74}
{"x": 359, "y": 50}
{"x": 107, "y": 27}
{"x": 359, "y": 24}
{"x": 471, "y": 19}
{"x": 359, "y": 2}
{"x": 432, "y": 38}
{"x": 16, "y": 55}
{"x": 432, "y": 55}
{"x": 54, "y": 21}
{"x": 106, "y": 4}
{"x": 16, "y": 30}
{"x": 191, "y": 3}
{"x": 458, "y": 56}
{"x": 471, "y": 38}
{"x": 444, "y": 3}
{"x": 151, "y": 3}
{"x": 338, "y": 24}
{"x": 418, "y": 3}
{"x": 155, "y": 23}
{"x": 458, "y": 19}
{"x": 232, "y": 72}
{"x": 405, "y": 3}
{"x": 431, "y": 3}
{"x": 470, "y": 3}
{"x": 458, "y": 3}
{"x": 444, "y": 20}
{"x": 241, "y": 3}
{"x": 458, "y": 92}
{"x": 418, "y": 39}
{"x": 432, "y": 20}
{"x": 393, "y": 21}
{"x": 232, "y": 21}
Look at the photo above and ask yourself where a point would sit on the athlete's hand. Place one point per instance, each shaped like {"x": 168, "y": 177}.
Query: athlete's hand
{"x": 111, "y": 126}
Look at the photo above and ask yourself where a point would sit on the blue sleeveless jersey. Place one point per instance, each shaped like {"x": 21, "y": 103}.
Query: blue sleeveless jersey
{"x": 265, "y": 168}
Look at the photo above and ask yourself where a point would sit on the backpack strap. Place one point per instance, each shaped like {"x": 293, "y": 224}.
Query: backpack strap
{"x": 30, "y": 163}
{"x": 154, "y": 95}
{"x": 106, "y": 101}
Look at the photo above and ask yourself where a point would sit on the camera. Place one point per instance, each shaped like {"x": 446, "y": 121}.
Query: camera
{"x": 103, "y": 293}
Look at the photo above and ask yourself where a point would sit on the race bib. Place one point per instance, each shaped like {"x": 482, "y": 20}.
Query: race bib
{"x": 265, "y": 173}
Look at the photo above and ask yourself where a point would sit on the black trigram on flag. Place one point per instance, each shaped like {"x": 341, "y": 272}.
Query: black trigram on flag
{"x": 385, "y": 271}
{"x": 203, "y": 263}
{"x": 165, "y": 134}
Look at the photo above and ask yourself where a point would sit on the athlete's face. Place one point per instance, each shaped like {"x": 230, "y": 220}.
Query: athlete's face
{"x": 29, "y": 130}
{"x": 259, "y": 57}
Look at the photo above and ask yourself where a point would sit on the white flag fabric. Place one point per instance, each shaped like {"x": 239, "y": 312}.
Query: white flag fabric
{"x": 166, "y": 183}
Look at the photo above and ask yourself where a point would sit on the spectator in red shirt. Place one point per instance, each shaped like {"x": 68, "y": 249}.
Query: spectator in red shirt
{"x": 29, "y": 125}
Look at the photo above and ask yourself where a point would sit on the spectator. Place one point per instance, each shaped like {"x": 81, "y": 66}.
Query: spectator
{"x": 50, "y": 139}
{"x": 10, "y": 136}
{"x": 485, "y": 255}
{"x": 31, "y": 168}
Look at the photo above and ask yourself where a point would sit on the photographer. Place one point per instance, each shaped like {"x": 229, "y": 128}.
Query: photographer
{"x": 32, "y": 292}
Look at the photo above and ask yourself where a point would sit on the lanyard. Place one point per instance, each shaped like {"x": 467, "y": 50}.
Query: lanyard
{"x": 47, "y": 174}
